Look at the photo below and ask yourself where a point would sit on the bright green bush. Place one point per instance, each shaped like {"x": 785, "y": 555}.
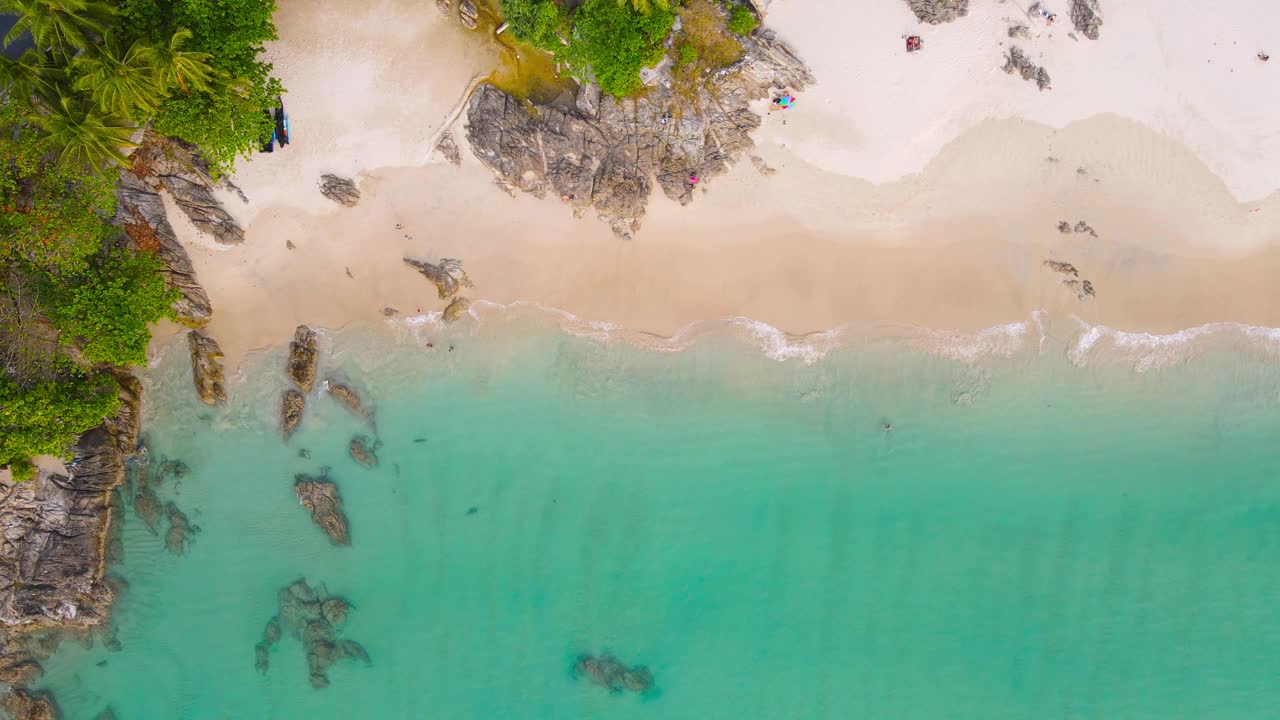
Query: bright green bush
{"x": 107, "y": 311}
{"x": 741, "y": 20}
{"x": 686, "y": 54}
{"x": 612, "y": 42}
{"x": 47, "y": 418}
{"x": 540, "y": 23}
{"x": 52, "y": 215}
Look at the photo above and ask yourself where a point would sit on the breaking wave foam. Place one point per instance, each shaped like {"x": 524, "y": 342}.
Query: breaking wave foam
{"x": 1149, "y": 351}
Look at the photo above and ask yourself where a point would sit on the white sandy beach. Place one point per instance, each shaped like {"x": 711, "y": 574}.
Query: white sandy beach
{"x": 921, "y": 189}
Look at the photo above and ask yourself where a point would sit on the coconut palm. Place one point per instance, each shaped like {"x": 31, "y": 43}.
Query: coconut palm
{"x": 173, "y": 66}
{"x": 28, "y": 76}
{"x": 62, "y": 26}
{"x": 80, "y": 135}
{"x": 121, "y": 82}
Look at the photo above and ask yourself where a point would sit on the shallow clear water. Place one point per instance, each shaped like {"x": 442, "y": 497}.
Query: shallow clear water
{"x": 1032, "y": 540}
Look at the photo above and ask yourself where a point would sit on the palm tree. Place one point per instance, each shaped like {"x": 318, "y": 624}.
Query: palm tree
{"x": 644, "y": 7}
{"x": 78, "y": 134}
{"x": 28, "y": 76}
{"x": 121, "y": 83}
{"x": 62, "y": 26}
{"x": 172, "y": 65}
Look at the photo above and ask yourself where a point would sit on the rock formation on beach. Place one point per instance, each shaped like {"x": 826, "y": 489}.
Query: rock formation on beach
{"x": 320, "y": 497}
{"x": 1017, "y": 61}
{"x": 456, "y": 309}
{"x": 1086, "y": 16}
{"x": 303, "y": 356}
{"x": 339, "y": 190}
{"x": 311, "y": 616}
{"x": 1065, "y": 268}
{"x": 363, "y": 450}
{"x": 448, "y": 148}
{"x": 292, "y": 403}
{"x": 178, "y": 168}
{"x": 1082, "y": 288}
{"x": 23, "y": 705}
{"x": 206, "y": 368}
{"x": 603, "y": 153}
{"x": 448, "y": 275}
{"x": 936, "y": 12}
{"x": 607, "y": 671}
{"x": 468, "y": 15}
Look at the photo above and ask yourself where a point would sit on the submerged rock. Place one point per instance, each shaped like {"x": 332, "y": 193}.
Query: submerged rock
{"x": 180, "y": 530}
{"x": 347, "y": 396}
{"x": 320, "y": 498}
{"x": 448, "y": 276}
{"x": 456, "y": 309}
{"x": 362, "y": 450}
{"x": 107, "y": 714}
{"x": 936, "y": 12}
{"x": 206, "y": 368}
{"x": 1086, "y": 16}
{"x": 25, "y": 705}
{"x": 1017, "y": 61}
{"x": 292, "y": 403}
{"x": 448, "y": 148}
{"x": 303, "y": 356}
{"x": 311, "y": 616}
{"x": 607, "y": 671}
{"x": 146, "y": 504}
{"x": 606, "y": 158}
{"x": 339, "y": 190}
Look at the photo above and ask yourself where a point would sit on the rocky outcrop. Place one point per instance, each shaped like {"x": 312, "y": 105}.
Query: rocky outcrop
{"x": 936, "y": 12}
{"x": 140, "y": 212}
{"x": 311, "y": 616}
{"x": 339, "y": 190}
{"x": 607, "y": 671}
{"x": 607, "y": 158}
{"x": 1082, "y": 288}
{"x": 320, "y": 498}
{"x": 53, "y": 537}
{"x": 347, "y": 396}
{"x": 180, "y": 530}
{"x": 1086, "y": 16}
{"x": 177, "y": 167}
{"x": 23, "y": 705}
{"x": 448, "y": 148}
{"x": 1065, "y": 268}
{"x": 448, "y": 276}
{"x": 303, "y": 356}
{"x": 363, "y": 450}
{"x": 206, "y": 368}
{"x": 292, "y": 403}
{"x": 1017, "y": 61}
{"x": 468, "y": 15}
{"x": 456, "y": 309}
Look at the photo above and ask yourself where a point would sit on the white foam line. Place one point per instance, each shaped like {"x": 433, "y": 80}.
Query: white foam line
{"x": 1149, "y": 351}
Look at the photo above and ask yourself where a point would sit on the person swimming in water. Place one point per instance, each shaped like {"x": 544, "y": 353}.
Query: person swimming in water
{"x": 888, "y": 427}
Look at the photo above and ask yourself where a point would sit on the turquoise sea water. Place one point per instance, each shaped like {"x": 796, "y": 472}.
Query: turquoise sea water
{"x": 1034, "y": 538}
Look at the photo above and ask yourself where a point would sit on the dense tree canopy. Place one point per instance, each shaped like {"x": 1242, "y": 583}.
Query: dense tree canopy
{"x": 46, "y": 418}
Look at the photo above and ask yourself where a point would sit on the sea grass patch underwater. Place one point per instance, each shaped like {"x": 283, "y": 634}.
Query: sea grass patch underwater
{"x": 1031, "y": 539}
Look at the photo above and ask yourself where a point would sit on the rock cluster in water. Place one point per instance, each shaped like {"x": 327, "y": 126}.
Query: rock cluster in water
{"x": 604, "y": 153}
{"x": 292, "y": 403}
{"x": 301, "y": 368}
{"x": 339, "y": 190}
{"x": 311, "y": 616}
{"x": 206, "y": 368}
{"x": 364, "y": 450}
{"x": 456, "y": 309}
{"x": 936, "y": 12}
{"x": 607, "y": 671}
{"x": 180, "y": 530}
{"x": 320, "y": 497}
{"x": 23, "y": 705}
{"x": 347, "y": 396}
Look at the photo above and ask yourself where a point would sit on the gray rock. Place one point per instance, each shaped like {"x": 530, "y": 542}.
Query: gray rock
{"x": 1084, "y": 227}
{"x": 761, "y": 166}
{"x": 206, "y": 368}
{"x": 140, "y": 212}
{"x": 1065, "y": 268}
{"x": 311, "y": 616}
{"x": 146, "y": 504}
{"x": 339, "y": 190}
{"x": 608, "y": 161}
{"x": 468, "y": 15}
{"x": 292, "y": 403}
{"x": 588, "y": 100}
{"x": 25, "y": 705}
{"x": 320, "y": 498}
{"x": 363, "y": 450}
{"x": 1017, "y": 61}
{"x": 448, "y": 276}
{"x": 1019, "y": 31}
{"x": 180, "y": 530}
{"x": 936, "y": 12}
{"x": 448, "y": 148}
{"x": 445, "y": 7}
{"x": 303, "y": 356}
{"x": 1064, "y": 227}
{"x": 1086, "y": 16}
{"x": 456, "y": 309}
{"x": 178, "y": 167}
{"x": 347, "y": 396}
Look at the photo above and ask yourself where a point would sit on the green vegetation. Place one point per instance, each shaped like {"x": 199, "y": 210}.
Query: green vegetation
{"x": 612, "y": 41}
{"x": 74, "y": 300}
{"x": 686, "y": 55}
{"x": 46, "y": 418}
{"x": 540, "y": 23}
{"x": 710, "y": 46}
{"x": 741, "y": 20}
{"x": 107, "y": 310}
